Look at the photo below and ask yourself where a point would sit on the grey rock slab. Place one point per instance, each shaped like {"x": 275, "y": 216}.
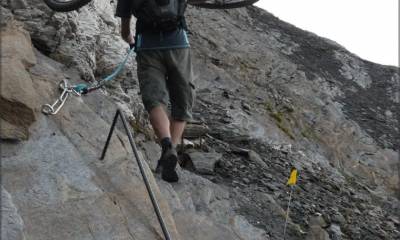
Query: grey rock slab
{"x": 204, "y": 162}
{"x": 109, "y": 195}
{"x": 198, "y": 227}
{"x": 85, "y": 120}
{"x": 198, "y": 194}
{"x": 123, "y": 180}
{"x": 152, "y": 152}
{"x": 200, "y": 190}
{"x": 274, "y": 216}
{"x": 57, "y": 180}
{"x": 177, "y": 202}
{"x": 45, "y": 178}
{"x": 247, "y": 231}
{"x": 203, "y": 210}
{"x": 202, "y": 199}
{"x": 12, "y": 225}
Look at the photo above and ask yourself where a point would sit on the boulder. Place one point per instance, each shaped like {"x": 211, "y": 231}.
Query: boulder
{"x": 317, "y": 231}
{"x": 256, "y": 158}
{"x": 16, "y": 44}
{"x": 18, "y": 98}
{"x": 195, "y": 130}
{"x": 336, "y": 232}
{"x": 203, "y": 162}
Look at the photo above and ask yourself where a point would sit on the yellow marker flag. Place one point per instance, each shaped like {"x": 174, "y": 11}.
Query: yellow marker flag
{"x": 293, "y": 177}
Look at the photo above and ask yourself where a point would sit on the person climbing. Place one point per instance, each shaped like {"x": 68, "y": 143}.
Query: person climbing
{"x": 164, "y": 70}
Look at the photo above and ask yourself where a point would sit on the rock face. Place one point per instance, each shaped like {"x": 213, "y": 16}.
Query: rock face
{"x": 269, "y": 97}
{"x": 204, "y": 163}
{"x": 17, "y": 95}
{"x": 12, "y": 223}
{"x": 55, "y": 178}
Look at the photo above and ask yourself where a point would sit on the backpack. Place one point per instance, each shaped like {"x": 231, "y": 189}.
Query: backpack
{"x": 161, "y": 15}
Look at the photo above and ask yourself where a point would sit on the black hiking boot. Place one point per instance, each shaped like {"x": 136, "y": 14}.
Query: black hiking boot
{"x": 167, "y": 164}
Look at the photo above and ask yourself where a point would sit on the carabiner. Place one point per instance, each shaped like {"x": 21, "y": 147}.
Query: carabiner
{"x": 59, "y": 103}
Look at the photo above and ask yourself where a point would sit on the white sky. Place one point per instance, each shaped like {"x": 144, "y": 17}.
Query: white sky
{"x": 368, "y": 28}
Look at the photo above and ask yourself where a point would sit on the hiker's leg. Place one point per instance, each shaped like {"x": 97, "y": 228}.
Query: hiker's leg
{"x": 151, "y": 73}
{"x": 163, "y": 127}
{"x": 181, "y": 91}
{"x": 169, "y": 157}
{"x": 177, "y": 128}
{"x": 160, "y": 122}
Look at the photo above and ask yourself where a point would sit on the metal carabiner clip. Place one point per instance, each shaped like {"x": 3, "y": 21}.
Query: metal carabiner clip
{"x": 59, "y": 103}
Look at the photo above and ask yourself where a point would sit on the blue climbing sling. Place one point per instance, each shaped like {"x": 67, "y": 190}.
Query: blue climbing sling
{"x": 82, "y": 88}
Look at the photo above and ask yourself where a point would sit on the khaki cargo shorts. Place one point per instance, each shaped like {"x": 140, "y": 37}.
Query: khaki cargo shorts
{"x": 166, "y": 76}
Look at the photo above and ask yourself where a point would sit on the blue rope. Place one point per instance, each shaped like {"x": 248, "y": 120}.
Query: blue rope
{"x": 83, "y": 88}
{"x": 80, "y": 88}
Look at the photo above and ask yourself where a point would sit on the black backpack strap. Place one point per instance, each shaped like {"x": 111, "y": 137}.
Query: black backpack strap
{"x": 145, "y": 17}
{"x": 137, "y": 4}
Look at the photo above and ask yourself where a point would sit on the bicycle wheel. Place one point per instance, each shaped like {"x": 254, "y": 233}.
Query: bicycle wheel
{"x": 65, "y": 5}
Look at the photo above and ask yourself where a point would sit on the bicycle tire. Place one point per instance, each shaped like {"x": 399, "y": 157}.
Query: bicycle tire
{"x": 227, "y": 5}
{"x": 66, "y": 6}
